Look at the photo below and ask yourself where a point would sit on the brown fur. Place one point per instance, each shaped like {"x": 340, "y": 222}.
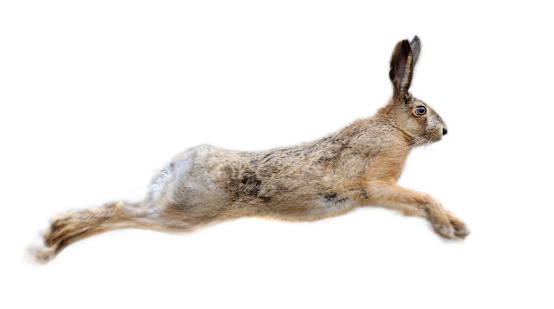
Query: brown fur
{"x": 358, "y": 165}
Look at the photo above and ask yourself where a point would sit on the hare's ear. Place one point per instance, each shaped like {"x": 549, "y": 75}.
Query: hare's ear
{"x": 401, "y": 68}
{"x": 415, "y": 44}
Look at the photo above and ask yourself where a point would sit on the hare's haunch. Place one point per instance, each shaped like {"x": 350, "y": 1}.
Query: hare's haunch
{"x": 358, "y": 165}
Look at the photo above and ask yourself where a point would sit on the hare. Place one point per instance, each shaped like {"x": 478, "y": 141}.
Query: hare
{"x": 358, "y": 165}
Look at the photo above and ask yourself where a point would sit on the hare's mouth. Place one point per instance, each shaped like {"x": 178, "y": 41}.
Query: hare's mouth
{"x": 426, "y": 138}
{"x": 435, "y": 136}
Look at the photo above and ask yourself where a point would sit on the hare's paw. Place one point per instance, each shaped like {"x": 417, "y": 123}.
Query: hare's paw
{"x": 62, "y": 227}
{"x": 451, "y": 228}
{"x": 42, "y": 255}
{"x": 460, "y": 229}
{"x": 444, "y": 230}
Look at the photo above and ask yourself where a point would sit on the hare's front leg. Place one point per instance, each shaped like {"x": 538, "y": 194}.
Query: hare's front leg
{"x": 394, "y": 196}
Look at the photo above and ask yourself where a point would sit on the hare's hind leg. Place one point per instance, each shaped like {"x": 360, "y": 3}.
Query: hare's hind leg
{"x": 72, "y": 226}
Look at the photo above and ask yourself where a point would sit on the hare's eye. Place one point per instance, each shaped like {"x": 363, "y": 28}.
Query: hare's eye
{"x": 420, "y": 110}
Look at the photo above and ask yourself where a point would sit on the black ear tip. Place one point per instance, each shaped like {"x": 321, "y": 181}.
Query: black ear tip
{"x": 406, "y": 47}
{"x": 416, "y": 40}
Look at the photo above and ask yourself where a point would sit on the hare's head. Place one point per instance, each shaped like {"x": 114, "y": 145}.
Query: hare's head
{"x": 411, "y": 115}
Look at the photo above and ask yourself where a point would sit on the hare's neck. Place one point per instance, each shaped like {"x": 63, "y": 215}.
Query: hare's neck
{"x": 387, "y": 117}
{"x": 371, "y": 148}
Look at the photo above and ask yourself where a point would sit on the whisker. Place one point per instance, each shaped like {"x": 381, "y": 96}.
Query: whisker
{"x": 414, "y": 142}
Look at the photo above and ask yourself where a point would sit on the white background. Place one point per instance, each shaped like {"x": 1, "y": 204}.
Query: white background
{"x": 96, "y": 96}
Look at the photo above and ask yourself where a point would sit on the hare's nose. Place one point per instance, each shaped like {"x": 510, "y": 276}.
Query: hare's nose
{"x": 444, "y": 131}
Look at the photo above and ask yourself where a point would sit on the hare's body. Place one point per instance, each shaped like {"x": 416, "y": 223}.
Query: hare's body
{"x": 358, "y": 165}
{"x": 307, "y": 182}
